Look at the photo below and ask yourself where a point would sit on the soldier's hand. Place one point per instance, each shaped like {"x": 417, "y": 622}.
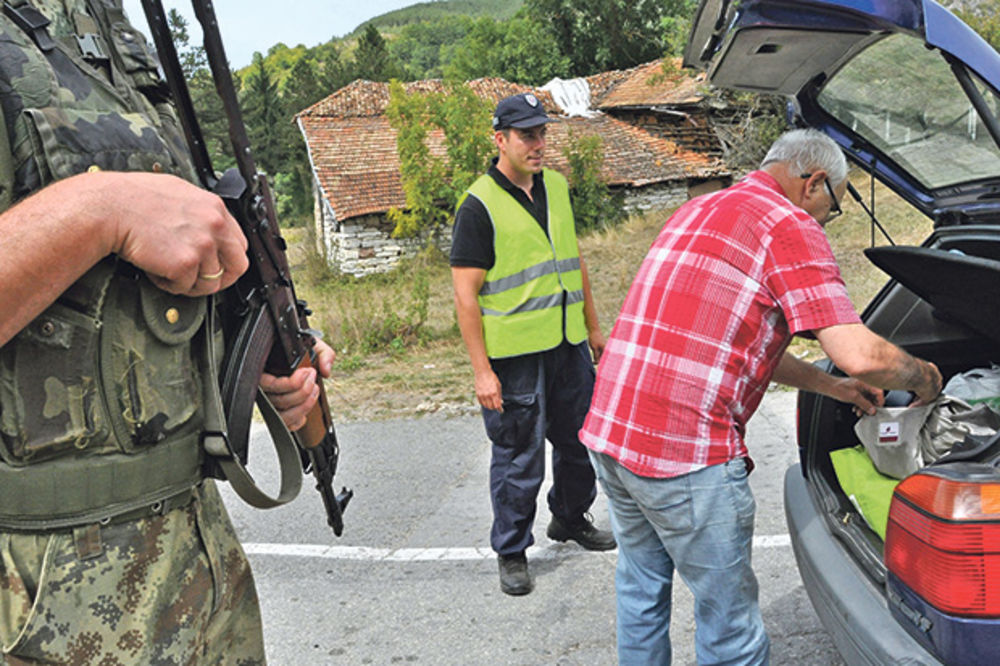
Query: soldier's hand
{"x": 181, "y": 235}
{"x": 295, "y": 395}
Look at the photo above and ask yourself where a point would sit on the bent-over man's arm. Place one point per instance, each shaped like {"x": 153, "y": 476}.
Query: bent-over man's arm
{"x": 807, "y": 377}
{"x": 863, "y": 354}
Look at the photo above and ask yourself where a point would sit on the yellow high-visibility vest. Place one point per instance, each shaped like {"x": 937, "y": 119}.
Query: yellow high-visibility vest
{"x": 535, "y": 278}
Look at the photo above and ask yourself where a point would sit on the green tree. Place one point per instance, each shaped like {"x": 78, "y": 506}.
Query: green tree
{"x": 211, "y": 119}
{"x": 192, "y": 58}
{"x": 265, "y": 116}
{"x": 372, "y": 59}
{"x": 594, "y": 206}
{"x": 598, "y": 35}
{"x": 303, "y": 86}
{"x": 281, "y": 59}
{"x": 423, "y": 175}
{"x": 984, "y": 18}
{"x": 432, "y": 184}
{"x": 467, "y": 130}
{"x": 420, "y": 47}
{"x": 333, "y": 72}
{"x": 676, "y": 25}
{"x": 204, "y": 98}
{"x": 517, "y": 50}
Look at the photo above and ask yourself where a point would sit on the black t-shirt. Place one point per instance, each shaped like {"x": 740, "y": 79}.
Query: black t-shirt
{"x": 472, "y": 235}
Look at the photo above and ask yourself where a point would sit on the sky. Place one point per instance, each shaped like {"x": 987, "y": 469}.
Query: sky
{"x": 257, "y": 25}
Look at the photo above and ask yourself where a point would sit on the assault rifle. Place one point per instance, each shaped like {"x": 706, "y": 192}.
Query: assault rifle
{"x": 264, "y": 324}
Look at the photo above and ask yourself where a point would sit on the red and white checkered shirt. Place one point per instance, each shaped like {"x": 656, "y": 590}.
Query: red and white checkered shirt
{"x": 731, "y": 278}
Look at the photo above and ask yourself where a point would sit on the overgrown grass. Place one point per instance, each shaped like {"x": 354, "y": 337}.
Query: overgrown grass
{"x": 395, "y": 334}
{"x": 399, "y": 350}
{"x": 378, "y": 313}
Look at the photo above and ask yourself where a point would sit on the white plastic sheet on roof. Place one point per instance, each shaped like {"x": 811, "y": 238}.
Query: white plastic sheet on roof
{"x": 572, "y": 95}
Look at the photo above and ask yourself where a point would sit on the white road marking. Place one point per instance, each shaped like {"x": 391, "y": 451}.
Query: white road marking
{"x": 439, "y": 554}
{"x": 772, "y": 541}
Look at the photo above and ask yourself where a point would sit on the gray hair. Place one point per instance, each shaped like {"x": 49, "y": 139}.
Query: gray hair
{"x": 807, "y": 150}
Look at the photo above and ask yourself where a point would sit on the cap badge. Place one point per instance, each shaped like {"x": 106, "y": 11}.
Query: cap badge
{"x": 531, "y": 99}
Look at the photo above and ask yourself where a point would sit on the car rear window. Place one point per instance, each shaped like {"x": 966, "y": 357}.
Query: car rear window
{"x": 905, "y": 99}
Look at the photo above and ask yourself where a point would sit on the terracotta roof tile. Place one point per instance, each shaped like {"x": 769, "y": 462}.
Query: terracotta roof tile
{"x": 645, "y": 86}
{"x": 362, "y": 98}
{"x": 632, "y": 156}
{"x": 353, "y": 147}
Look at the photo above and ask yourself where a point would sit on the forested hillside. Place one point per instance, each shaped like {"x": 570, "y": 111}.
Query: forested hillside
{"x": 428, "y": 12}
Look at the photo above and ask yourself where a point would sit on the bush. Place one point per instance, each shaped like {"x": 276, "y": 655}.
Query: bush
{"x": 433, "y": 185}
{"x": 594, "y": 206}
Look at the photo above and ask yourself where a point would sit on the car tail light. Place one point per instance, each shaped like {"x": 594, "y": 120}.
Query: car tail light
{"x": 943, "y": 542}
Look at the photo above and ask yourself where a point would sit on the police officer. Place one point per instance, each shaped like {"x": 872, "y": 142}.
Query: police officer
{"x": 113, "y": 547}
{"x": 527, "y": 315}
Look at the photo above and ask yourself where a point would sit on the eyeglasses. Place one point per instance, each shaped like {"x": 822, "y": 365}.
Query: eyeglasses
{"x": 835, "y": 209}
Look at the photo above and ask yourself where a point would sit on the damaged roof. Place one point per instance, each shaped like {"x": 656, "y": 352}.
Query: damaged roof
{"x": 646, "y": 86}
{"x": 353, "y": 148}
{"x": 360, "y": 98}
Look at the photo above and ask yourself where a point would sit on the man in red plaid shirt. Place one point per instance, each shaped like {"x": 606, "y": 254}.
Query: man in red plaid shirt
{"x": 731, "y": 278}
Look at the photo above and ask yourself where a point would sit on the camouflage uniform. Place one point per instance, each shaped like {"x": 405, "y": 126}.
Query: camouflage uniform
{"x": 170, "y": 589}
{"x": 113, "y": 548}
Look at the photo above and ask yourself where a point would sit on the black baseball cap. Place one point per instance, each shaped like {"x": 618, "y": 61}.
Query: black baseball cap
{"x": 520, "y": 111}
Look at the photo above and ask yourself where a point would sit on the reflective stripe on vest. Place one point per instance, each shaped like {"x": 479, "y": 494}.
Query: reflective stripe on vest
{"x": 535, "y": 277}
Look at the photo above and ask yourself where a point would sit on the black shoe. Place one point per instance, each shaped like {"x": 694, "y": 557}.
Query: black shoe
{"x": 514, "y": 576}
{"x": 584, "y": 533}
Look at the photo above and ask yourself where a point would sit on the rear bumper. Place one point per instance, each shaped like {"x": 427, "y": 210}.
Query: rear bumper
{"x": 851, "y": 608}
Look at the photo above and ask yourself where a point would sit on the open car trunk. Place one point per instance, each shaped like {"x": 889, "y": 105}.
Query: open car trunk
{"x": 948, "y": 313}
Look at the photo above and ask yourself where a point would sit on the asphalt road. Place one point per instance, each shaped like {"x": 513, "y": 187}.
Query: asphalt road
{"x": 413, "y": 580}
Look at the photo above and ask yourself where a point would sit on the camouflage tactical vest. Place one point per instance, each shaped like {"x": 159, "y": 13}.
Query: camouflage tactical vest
{"x": 100, "y": 395}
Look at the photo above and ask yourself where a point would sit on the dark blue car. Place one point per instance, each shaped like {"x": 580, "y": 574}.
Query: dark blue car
{"x": 911, "y": 94}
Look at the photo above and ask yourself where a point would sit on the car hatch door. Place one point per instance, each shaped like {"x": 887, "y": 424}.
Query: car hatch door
{"x": 960, "y": 287}
{"x": 780, "y": 46}
{"x": 914, "y": 103}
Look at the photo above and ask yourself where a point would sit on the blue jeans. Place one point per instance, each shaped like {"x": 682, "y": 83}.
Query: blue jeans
{"x": 700, "y": 524}
{"x": 545, "y": 396}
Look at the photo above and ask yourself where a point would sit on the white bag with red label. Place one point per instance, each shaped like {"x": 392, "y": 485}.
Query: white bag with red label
{"x": 901, "y": 440}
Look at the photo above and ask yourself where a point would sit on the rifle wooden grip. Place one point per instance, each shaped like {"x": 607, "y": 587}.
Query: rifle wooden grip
{"x": 318, "y": 420}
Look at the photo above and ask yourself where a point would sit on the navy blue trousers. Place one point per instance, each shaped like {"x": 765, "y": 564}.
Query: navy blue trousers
{"x": 545, "y": 396}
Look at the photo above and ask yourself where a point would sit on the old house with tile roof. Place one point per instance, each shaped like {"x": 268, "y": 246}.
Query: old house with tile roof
{"x": 669, "y": 104}
{"x": 352, "y": 149}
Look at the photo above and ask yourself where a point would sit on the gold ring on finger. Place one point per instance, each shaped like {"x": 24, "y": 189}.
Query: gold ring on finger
{"x": 212, "y": 276}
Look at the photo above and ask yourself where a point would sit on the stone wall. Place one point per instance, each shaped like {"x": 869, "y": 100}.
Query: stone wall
{"x": 669, "y": 195}
{"x": 663, "y": 195}
{"x": 364, "y": 245}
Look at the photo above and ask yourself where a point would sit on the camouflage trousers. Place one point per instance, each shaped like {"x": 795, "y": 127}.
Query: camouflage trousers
{"x": 170, "y": 589}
